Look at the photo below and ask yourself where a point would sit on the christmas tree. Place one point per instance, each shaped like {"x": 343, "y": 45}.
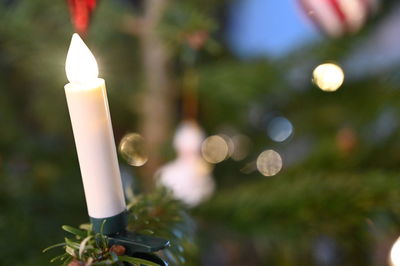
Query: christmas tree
{"x": 304, "y": 165}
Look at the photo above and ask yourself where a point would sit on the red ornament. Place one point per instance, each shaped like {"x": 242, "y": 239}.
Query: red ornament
{"x": 76, "y": 263}
{"x": 338, "y": 17}
{"x": 118, "y": 249}
{"x": 346, "y": 141}
{"x": 197, "y": 39}
{"x": 81, "y": 11}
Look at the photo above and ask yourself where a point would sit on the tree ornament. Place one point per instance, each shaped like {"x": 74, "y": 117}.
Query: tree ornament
{"x": 338, "y": 17}
{"x": 81, "y": 11}
{"x": 188, "y": 176}
{"x": 76, "y": 263}
{"x": 346, "y": 140}
{"x": 197, "y": 39}
{"x": 118, "y": 250}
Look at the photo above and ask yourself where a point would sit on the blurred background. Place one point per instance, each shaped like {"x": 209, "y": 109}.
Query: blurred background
{"x": 275, "y": 122}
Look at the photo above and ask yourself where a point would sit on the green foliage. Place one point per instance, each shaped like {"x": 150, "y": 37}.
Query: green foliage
{"x": 345, "y": 196}
{"x": 91, "y": 249}
{"x": 155, "y": 214}
{"x": 290, "y": 211}
{"x": 159, "y": 214}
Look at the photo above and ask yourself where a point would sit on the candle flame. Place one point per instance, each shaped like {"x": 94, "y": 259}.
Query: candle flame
{"x": 395, "y": 253}
{"x": 80, "y": 66}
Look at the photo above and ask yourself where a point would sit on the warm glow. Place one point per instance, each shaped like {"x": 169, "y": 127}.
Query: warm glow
{"x": 215, "y": 149}
{"x": 133, "y": 149}
{"x": 80, "y": 66}
{"x": 328, "y": 77}
{"x": 241, "y": 147}
{"x": 269, "y": 163}
{"x": 395, "y": 253}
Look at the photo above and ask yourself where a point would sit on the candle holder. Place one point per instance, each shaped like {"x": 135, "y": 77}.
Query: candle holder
{"x": 91, "y": 124}
{"x": 136, "y": 245}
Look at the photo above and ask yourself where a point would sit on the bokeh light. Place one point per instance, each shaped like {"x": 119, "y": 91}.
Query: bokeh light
{"x": 132, "y": 149}
{"x": 328, "y": 76}
{"x": 215, "y": 149}
{"x": 229, "y": 142}
{"x": 279, "y": 129}
{"x": 395, "y": 253}
{"x": 269, "y": 163}
{"x": 241, "y": 147}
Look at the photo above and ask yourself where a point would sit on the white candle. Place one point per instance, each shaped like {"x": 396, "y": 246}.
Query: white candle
{"x": 91, "y": 123}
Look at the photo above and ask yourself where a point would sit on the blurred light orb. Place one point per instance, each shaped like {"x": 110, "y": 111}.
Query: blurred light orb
{"x": 395, "y": 253}
{"x": 132, "y": 149}
{"x": 269, "y": 163}
{"x": 229, "y": 142}
{"x": 215, "y": 149}
{"x": 279, "y": 129}
{"x": 241, "y": 147}
{"x": 328, "y": 76}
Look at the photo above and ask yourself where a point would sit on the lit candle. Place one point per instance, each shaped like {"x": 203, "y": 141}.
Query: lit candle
{"x": 91, "y": 123}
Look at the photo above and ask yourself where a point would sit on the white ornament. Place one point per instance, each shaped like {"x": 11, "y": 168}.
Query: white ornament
{"x": 188, "y": 176}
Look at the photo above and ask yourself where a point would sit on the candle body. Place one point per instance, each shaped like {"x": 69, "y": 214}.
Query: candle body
{"x": 94, "y": 139}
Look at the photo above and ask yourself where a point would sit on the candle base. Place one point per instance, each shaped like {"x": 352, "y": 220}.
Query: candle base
{"x": 110, "y": 225}
{"x": 137, "y": 245}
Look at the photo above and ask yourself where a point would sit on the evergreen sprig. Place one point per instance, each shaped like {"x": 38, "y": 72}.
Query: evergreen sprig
{"x": 161, "y": 215}
{"x": 89, "y": 248}
{"x": 154, "y": 214}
